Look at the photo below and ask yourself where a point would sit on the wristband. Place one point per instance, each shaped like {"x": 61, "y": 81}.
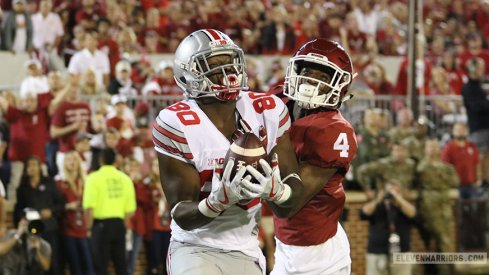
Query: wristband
{"x": 175, "y": 207}
{"x": 285, "y": 195}
{"x": 207, "y": 210}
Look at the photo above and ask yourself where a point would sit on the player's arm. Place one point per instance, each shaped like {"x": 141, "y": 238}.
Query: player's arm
{"x": 288, "y": 166}
{"x": 180, "y": 182}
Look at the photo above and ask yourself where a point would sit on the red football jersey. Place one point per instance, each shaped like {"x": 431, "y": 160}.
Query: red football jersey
{"x": 326, "y": 140}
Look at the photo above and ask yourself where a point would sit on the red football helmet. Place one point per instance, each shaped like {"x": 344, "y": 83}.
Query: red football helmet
{"x": 326, "y": 56}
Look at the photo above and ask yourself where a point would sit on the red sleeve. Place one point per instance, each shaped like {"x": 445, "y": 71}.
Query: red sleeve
{"x": 12, "y": 114}
{"x": 333, "y": 146}
{"x": 58, "y": 116}
{"x": 44, "y": 99}
{"x": 445, "y": 156}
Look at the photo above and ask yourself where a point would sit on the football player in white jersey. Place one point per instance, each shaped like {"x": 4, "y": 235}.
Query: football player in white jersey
{"x": 212, "y": 232}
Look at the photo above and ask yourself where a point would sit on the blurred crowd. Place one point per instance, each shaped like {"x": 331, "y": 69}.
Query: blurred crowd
{"x": 51, "y": 132}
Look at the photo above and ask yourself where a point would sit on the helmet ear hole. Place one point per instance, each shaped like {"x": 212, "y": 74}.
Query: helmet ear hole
{"x": 183, "y": 79}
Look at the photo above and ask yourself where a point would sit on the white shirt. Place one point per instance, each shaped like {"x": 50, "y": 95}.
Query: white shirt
{"x": 367, "y": 23}
{"x": 84, "y": 60}
{"x": 20, "y": 40}
{"x": 34, "y": 84}
{"x": 46, "y": 29}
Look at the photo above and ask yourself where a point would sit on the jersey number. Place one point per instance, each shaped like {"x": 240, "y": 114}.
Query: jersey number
{"x": 341, "y": 144}
{"x": 262, "y": 102}
{"x": 186, "y": 116}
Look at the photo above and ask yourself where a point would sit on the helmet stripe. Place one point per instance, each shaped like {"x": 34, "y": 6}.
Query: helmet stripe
{"x": 213, "y": 34}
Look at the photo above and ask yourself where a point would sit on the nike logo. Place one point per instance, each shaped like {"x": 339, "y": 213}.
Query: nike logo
{"x": 226, "y": 199}
{"x": 273, "y": 185}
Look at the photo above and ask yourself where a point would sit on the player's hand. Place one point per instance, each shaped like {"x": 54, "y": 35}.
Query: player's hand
{"x": 224, "y": 191}
{"x": 271, "y": 186}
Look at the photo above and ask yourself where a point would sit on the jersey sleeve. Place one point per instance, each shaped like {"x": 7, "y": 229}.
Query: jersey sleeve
{"x": 169, "y": 139}
{"x": 334, "y": 146}
{"x": 284, "y": 120}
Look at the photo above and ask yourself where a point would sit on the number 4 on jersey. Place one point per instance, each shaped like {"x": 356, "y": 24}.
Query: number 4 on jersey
{"x": 341, "y": 144}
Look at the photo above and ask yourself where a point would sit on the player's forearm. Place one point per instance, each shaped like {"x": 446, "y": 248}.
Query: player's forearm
{"x": 188, "y": 216}
{"x": 294, "y": 203}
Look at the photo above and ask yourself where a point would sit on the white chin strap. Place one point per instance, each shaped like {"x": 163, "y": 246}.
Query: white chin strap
{"x": 308, "y": 95}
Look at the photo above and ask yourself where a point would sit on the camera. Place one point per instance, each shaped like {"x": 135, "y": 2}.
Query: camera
{"x": 35, "y": 225}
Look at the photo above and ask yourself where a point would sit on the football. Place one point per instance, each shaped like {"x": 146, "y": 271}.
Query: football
{"x": 247, "y": 149}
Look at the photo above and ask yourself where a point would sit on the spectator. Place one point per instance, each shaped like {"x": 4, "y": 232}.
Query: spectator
{"x": 17, "y": 29}
{"x": 474, "y": 50}
{"x": 477, "y": 105}
{"x": 464, "y": 156}
{"x": 404, "y": 126}
{"x": 16, "y": 249}
{"x": 48, "y": 32}
{"x": 128, "y": 43}
{"x": 278, "y": 37}
{"x": 89, "y": 84}
{"x": 436, "y": 211}
{"x": 122, "y": 83}
{"x": 142, "y": 221}
{"x": 449, "y": 63}
{"x": 123, "y": 118}
{"x": 151, "y": 43}
{"x": 109, "y": 201}
{"x": 374, "y": 75}
{"x": 35, "y": 82}
{"x": 31, "y": 117}
{"x": 373, "y": 142}
{"x": 368, "y": 14}
{"x": 71, "y": 117}
{"x": 82, "y": 147}
{"x": 415, "y": 143}
{"x": 107, "y": 44}
{"x": 440, "y": 85}
{"x": 89, "y": 14}
{"x": 74, "y": 230}
{"x": 390, "y": 216}
{"x": 160, "y": 236}
{"x": 40, "y": 193}
{"x": 90, "y": 58}
{"x": 397, "y": 167}
{"x": 163, "y": 83}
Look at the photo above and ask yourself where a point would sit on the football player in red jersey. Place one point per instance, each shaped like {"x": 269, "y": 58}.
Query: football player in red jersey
{"x": 310, "y": 240}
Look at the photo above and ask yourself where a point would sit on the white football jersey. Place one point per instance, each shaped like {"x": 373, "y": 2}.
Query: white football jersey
{"x": 183, "y": 131}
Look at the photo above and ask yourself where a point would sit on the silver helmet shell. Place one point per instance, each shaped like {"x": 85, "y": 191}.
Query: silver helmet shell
{"x": 191, "y": 68}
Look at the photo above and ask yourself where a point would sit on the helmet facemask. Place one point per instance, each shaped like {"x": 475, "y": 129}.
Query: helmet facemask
{"x": 312, "y": 93}
{"x": 232, "y": 80}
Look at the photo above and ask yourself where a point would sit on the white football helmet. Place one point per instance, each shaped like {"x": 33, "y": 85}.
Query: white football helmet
{"x": 191, "y": 68}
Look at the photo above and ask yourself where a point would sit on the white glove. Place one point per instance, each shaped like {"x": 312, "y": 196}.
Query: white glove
{"x": 224, "y": 192}
{"x": 270, "y": 187}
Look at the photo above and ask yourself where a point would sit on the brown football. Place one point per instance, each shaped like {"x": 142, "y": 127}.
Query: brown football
{"x": 245, "y": 150}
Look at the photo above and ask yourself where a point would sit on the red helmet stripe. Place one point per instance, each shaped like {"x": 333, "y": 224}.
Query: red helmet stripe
{"x": 214, "y": 34}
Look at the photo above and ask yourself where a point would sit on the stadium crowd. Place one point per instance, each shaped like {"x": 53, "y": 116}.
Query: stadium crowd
{"x": 53, "y": 132}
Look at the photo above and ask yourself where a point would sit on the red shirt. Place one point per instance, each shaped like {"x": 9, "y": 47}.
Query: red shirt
{"x": 73, "y": 222}
{"x": 143, "y": 219}
{"x": 111, "y": 48}
{"x": 66, "y": 114}
{"x": 466, "y": 56}
{"x": 325, "y": 140}
{"x": 465, "y": 160}
{"x": 29, "y": 132}
{"x": 115, "y": 122}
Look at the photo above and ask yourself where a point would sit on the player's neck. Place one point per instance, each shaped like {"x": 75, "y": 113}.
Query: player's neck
{"x": 222, "y": 115}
